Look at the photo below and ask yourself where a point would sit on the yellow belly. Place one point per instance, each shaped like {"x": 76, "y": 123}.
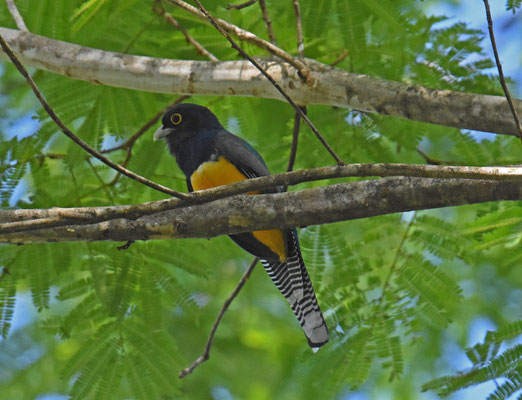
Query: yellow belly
{"x": 222, "y": 172}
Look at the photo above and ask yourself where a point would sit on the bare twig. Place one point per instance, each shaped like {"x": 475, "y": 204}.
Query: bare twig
{"x": 500, "y": 72}
{"x": 39, "y": 157}
{"x": 75, "y": 138}
{"x": 125, "y": 246}
{"x": 432, "y": 161}
{"x": 391, "y": 271}
{"x": 276, "y": 85}
{"x": 295, "y": 140}
{"x": 123, "y": 164}
{"x": 241, "y": 5}
{"x": 16, "y": 15}
{"x": 268, "y": 22}
{"x": 341, "y": 57}
{"x": 297, "y": 116}
{"x": 249, "y": 37}
{"x": 299, "y": 29}
{"x": 102, "y": 183}
{"x": 206, "y": 354}
{"x": 149, "y": 124}
{"x": 158, "y": 9}
{"x": 129, "y": 143}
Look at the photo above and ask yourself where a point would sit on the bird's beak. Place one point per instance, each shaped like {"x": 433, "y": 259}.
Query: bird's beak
{"x": 162, "y": 132}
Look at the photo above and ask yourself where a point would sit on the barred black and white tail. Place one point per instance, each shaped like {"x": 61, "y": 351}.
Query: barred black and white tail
{"x": 293, "y": 281}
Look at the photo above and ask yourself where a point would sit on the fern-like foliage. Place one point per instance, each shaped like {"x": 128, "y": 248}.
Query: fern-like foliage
{"x": 513, "y": 5}
{"x": 7, "y": 303}
{"x": 488, "y": 364}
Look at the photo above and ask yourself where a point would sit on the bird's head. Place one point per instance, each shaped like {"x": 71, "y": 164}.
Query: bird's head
{"x": 185, "y": 120}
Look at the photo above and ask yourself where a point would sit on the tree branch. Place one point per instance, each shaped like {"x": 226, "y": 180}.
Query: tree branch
{"x": 19, "y": 21}
{"x": 145, "y": 127}
{"x": 241, "y": 5}
{"x": 158, "y": 9}
{"x": 76, "y": 139}
{"x": 273, "y": 82}
{"x": 238, "y": 78}
{"x": 500, "y": 72}
{"x": 206, "y": 353}
{"x": 246, "y": 36}
{"x": 24, "y": 220}
{"x": 295, "y": 140}
{"x": 268, "y": 22}
{"x": 245, "y": 213}
{"x": 299, "y": 29}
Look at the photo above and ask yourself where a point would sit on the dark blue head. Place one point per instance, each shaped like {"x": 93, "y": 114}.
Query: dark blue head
{"x": 185, "y": 120}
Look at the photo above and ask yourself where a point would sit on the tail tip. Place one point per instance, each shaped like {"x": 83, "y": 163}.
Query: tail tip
{"x": 319, "y": 337}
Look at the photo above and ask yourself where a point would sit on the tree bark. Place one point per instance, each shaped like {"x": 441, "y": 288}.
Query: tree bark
{"x": 243, "y": 213}
{"x": 328, "y": 85}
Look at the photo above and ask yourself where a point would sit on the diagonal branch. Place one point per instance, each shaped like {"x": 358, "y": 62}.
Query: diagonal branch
{"x": 273, "y": 82}
{"x": 241, "y": 5}
{"x": 295, "y": 140}
{"x": 247, "y": 36}
{"x": 500, "y": 72}
{"x": 332, "y": 86}
{"x": 149, "y": 124}
{"x": 206, "y": 353}
{"x": 158, "y": 9}
{"x": 19, "y": 21}
{"x": 299, "y": 28}
{"x": 268, "y": 22}
{"x": 75, "y": 138}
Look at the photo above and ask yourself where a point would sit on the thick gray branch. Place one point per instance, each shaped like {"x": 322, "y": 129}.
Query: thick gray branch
{"x": 239, "y": 78}
{"x": 320, "y": 205}
{"x": 23, "y": 220}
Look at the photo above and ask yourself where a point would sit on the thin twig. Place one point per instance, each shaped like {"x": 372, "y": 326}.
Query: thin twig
{"x": 268, "y": 22}
{"x": 123, "y": 164}
{"x": 341, "y": 57}
{"x": 433, "y": 161}
{"x": 19, "y": 21}
{"x": 242, "y": 34}
{"x": 299, "y": 29}
{"x": 40, "y": 157}
{"x": 240, "y": 6}
{"x": 500, "y": 72}
{"x": 272, "y": 81}
{"x": 190, "y": 40}
{"x": 393, "y": 268}
{"x": 125, "y": 246}
{"x": 206, "y": 354}
{"x": 129, "y": 143}
{"x": 149, "y": 124}
{"x": 295, "y": 140}
{"x": 102, "y": 183}
{"x": 75, "y": 138}
{"x": 297, "y": 116}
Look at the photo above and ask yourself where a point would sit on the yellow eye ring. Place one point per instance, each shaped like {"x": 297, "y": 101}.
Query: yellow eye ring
{"x": 175, "y": 118}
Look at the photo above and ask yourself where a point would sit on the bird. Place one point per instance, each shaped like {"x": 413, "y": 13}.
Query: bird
{"x": 211, "y": 156}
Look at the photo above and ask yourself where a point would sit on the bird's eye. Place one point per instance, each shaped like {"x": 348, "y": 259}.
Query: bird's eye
{"x": 175, "y": 118}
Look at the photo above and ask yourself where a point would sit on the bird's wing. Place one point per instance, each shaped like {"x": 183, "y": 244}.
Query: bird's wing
{"x": 244, "y": 157}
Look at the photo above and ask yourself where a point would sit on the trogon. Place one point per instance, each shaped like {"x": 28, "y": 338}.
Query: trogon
{"x": 210, "y": 156}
